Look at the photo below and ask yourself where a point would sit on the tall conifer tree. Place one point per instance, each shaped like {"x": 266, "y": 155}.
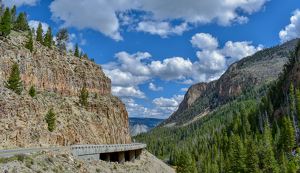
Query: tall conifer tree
{"x": 5, "y": 24}
{"x": 26, "y": 26}
{"x": 14, "y": 81}
{"x": 48, "y": 39}
{"x": 76, "y": 53}
{"x": 268, "y": 159}
{"x": 62, "y": 38}
{"x": 252, "y": 160}
{"x": 20, "y": 22}
{"x": 184, "y": 163}
{"x": 39, "y": 33}
{"x": 13, "y": 13}
{"x": 29, "y": 44}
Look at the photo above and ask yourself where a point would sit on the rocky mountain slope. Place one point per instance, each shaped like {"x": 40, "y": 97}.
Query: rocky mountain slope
{"x": 63, "y": 161}
{"x": 252, "y": 71}
{"x": 139, "y": 125}
{"x": 58, "y": 79}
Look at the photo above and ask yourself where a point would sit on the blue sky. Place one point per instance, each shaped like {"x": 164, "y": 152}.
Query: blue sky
{"x": 153, "y": 50}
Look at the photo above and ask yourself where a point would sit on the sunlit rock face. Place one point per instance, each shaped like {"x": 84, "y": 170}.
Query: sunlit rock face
{"x": 58, "y": 79}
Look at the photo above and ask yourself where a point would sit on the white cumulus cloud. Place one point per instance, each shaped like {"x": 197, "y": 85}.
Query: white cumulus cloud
{"x": 163, "y": 107}
{"x": 162, "y": 28}
{"x": 155, "y": 16}
{"x": 153, "y": 87}
{"x": 292, "y": 30}
{"x": 204, "y": 41}
{"x": 213, "y": 60}
{"x": 19, "y": 3}
{"x": 132, "y": 91}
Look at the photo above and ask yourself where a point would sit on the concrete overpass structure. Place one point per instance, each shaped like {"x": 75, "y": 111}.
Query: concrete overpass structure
{"x": 111, "y": 153}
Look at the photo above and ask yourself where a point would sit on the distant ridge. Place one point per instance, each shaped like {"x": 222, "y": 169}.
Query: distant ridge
{"x": 139, "y": 125}
{"x": 252, "y": 71}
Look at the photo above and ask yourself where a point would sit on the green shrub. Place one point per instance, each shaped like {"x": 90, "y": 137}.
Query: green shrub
{"x": 84, "y": 94}
{"x": 32, "y": 91}
{"x": 97, "y": 170}
{"x": 20, "y": 157}
{"x": 115, "y": 167}
{"x": 50, "y": 119}
{"x": 64, "y": 155}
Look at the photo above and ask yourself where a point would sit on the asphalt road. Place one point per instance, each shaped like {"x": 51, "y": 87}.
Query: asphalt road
{"x": 9, "y": 153}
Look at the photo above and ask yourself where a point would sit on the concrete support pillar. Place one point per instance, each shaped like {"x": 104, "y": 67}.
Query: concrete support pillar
{"x": 106, "y": 157}
{"x": 121, "y": 157}
{"x": 132, "y": 156}
{"x": 138, "y": 154}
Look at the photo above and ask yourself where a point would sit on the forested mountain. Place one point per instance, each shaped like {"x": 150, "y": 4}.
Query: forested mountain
{"x": 244, "y": 75}
{"x": 256, "y": 131}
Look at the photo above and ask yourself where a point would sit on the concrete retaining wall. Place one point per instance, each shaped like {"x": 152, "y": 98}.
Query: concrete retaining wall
{"x": 117, "y": 152}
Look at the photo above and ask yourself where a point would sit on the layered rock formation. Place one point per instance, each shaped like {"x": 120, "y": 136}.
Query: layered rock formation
{"x": 58, "y": 80}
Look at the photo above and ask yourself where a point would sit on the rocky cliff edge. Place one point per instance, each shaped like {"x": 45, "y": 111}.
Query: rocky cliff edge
{"x": 58, "y": 79}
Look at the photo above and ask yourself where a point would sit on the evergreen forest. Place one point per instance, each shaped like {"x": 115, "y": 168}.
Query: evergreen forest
{"x": 244, "y": 135}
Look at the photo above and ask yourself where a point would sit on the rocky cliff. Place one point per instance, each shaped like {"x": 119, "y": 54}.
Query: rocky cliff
{"x": 252, "y": 71}
{"x": 58, "y": 79}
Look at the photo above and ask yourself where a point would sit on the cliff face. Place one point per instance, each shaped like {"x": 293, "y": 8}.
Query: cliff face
{"x": 58, "y": 80}
{"x": 49, "y": 71}
{"x": 193, "y": 93}
{"x": 250, "y": 71}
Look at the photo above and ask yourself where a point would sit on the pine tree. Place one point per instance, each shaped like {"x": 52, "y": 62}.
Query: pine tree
{"x": 80, "y": 56}
{"x": 283, "y": 162}
{"x": 298, "y": 103}
{"x": 62, "y": 38}
{"x": 32, "y": 91}
{"x": 237, "y": 157}
{"x": 194, "y": 166}
{"x": 33, "y": 31}
{"x": 292, "y": 165}
{"x": 76, "y": 53}
{"x": 13, "y": 13}
{"x": 50, "y": 119}
{"x": 14, "y": 81}
{"x": 252, "y": 159}
{"x": 48, "y": 38}
{"x": 184, "y": 163}
{"x": 26, "y": 26}
{"x": 39, "y": 33}
{"x": 5, "y": 24}
{"x": 268, "y": 160}
{"x": 86, "y": 56}
{"x": 20, "y": 22}
{"x": 83, "y": 96}
{"x": 29, "y": 44}
{"x": 291, "y": 98}
{"x": 288, "y": 135}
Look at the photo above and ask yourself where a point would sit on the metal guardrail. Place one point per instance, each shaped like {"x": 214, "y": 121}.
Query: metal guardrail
{"x": 105, "y": 146}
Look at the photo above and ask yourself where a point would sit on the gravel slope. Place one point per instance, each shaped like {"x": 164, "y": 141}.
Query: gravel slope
{"x": 63, "y": 161}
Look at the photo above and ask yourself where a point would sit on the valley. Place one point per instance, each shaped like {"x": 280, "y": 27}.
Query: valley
{"x": 149, "y": 86}
{"x": 246, "y": 129}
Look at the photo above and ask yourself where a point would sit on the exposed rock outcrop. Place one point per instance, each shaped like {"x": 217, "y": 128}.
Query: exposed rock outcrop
{"x": 58, "y": 80}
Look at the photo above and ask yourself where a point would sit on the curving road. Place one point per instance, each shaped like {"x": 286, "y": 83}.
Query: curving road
{"x": 9, "y": 153}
